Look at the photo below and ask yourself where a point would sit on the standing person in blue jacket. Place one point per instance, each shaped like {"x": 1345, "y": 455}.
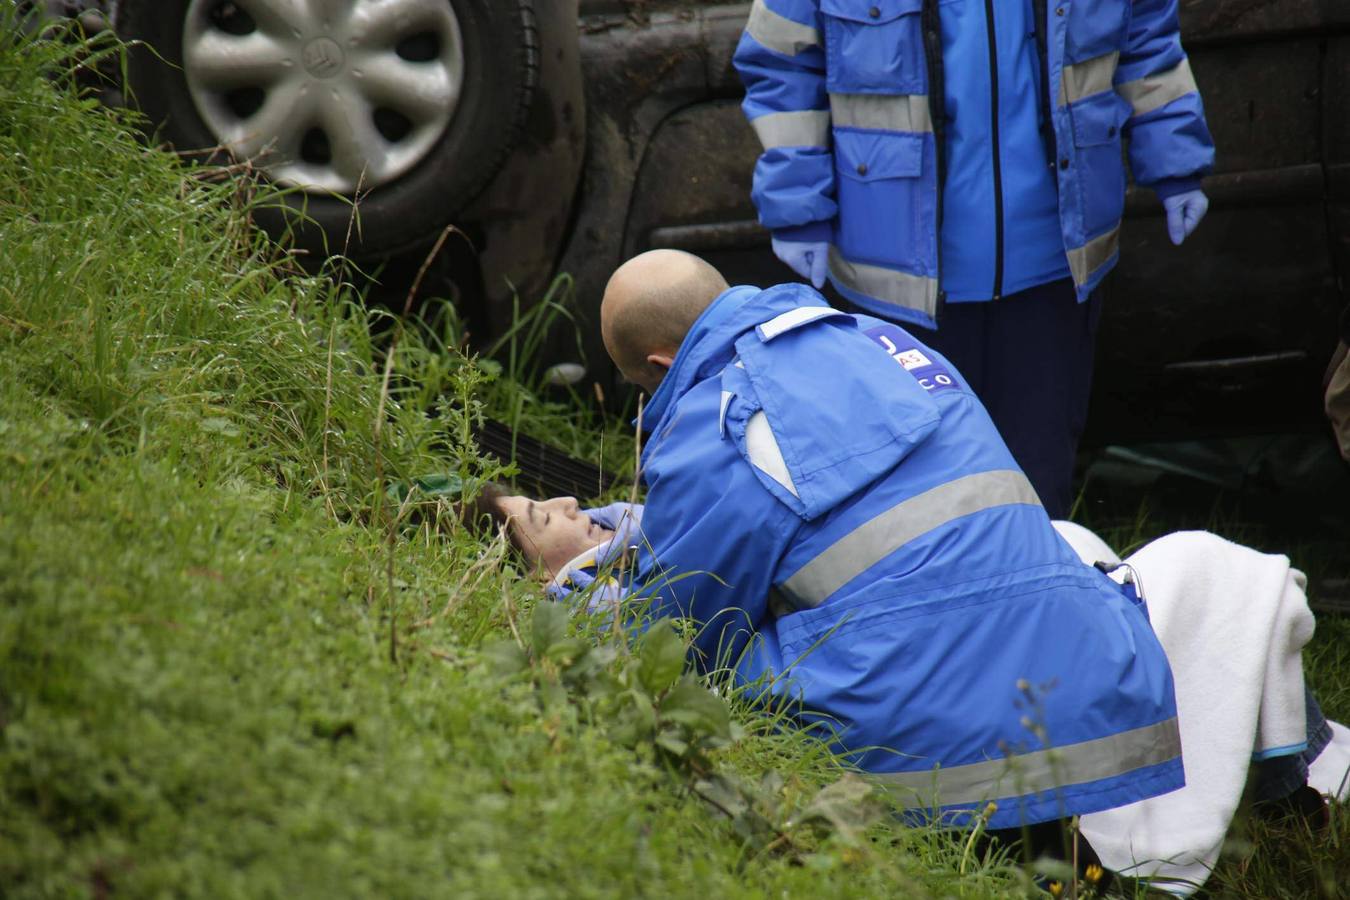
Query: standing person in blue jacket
{"x": 863, "y": 547}
{"x": 957, "y": 163}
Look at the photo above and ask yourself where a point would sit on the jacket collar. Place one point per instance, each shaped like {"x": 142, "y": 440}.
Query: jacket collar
{"x": 710, "y": 344}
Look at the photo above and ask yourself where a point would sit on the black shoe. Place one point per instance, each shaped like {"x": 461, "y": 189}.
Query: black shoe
{"x": 1053, "y": 840}
{"x": 1305, "y": 805}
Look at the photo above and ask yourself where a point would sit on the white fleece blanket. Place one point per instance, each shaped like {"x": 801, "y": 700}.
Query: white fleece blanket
{"x": 1233, "y": 622}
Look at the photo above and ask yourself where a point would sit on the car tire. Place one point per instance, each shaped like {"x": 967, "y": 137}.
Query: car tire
{"x": 498, "y": 63}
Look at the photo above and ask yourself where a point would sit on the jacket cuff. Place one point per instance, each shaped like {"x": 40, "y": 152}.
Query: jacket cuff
{"x": 813, "y": 232}
{"x": 1170, "y": 187}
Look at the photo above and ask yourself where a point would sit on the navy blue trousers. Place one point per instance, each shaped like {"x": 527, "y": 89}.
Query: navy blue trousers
{"x": 1282, "y": 775}
{"x": 1028, "y": 357}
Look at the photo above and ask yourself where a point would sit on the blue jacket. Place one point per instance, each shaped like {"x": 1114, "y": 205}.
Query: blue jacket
{"x": 1000, "y": 229}
{"x": 839, "y": 93}
{"x": 863, "y": 548}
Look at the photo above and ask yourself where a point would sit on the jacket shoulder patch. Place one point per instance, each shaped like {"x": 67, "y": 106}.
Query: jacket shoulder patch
{"x": 931, "y": 375}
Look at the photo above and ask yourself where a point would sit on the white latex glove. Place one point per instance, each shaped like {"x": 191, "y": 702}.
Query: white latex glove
{"x": 1184, "y": 212}
{"x": 809, "y": 259}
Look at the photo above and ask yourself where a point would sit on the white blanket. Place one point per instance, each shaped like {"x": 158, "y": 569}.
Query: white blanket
{"x": 1233, "y": 622}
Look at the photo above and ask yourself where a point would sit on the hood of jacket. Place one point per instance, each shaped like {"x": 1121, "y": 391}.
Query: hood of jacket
{"x": 816, "y": 407}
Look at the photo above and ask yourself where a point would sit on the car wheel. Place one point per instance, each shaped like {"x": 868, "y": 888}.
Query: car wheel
{"x": 409, "y": 106}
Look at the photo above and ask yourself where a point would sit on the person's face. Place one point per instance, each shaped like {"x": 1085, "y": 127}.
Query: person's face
{"x": 551, "y": 532}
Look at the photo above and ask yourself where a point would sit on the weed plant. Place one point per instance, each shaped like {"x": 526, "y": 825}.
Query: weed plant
{"x": 232, "y": 665}
{"x": 576, "y": 419}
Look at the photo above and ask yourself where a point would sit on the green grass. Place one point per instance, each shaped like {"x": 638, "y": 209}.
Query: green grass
{"x": 230, "y": 667}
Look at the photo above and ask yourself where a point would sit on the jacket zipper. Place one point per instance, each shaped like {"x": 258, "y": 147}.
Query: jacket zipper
{"x": 998, "y": 169}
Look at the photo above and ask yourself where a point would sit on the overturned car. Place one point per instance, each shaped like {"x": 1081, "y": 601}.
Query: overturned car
{"x": 567, "y": 135}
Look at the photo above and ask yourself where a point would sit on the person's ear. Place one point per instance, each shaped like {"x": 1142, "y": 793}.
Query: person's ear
{"x": 661, "y": 361}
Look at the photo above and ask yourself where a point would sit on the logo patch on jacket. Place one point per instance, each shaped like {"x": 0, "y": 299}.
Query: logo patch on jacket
{"x": 900, "y": 346}
{"x": 910, "y": 359}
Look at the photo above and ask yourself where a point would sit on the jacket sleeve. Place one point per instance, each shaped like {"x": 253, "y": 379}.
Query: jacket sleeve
{"x": 781, "y": 60}
{"x": 711, "y": 545}
{"x": 1170, "y": 144}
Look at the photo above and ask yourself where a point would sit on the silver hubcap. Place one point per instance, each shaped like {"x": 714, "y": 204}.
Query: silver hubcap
{"x": 325, "y": 94}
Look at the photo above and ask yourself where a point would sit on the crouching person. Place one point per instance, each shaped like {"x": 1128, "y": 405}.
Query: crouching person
{"x": 831, "y": 505}
{"x": 1232, "y": 620}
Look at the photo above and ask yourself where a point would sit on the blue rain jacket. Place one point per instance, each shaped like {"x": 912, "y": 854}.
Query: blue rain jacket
{"x": 839, "y": 93}
{"x": 863, "y": 548}
{"x": 997, "y": 237}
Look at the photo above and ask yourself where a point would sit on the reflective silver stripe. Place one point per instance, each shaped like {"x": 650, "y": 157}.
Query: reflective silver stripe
{"x": 793, "y": 318}
{"x": 885, "y": 112}
{"x": 1091, "y": 76}
{"x": 879, "y": 537}
{"x": 916, "y": 292}
{"x": 1154, "y": 91}
{"x": 1039, "y": 772}
{"x": 1087, "y": 259}
{"x": 808, "y": 128}
{"x": 762, "y": 448}
{"x": 780, "y": 33}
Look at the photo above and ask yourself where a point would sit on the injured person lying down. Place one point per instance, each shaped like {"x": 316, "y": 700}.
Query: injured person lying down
{"x": 831, "y": 508}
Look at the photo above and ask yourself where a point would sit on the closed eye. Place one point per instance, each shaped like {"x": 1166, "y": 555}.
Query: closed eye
{"x": 534, "y": 512}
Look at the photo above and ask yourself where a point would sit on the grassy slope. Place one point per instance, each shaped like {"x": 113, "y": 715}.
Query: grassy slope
{"x": 196, "y": 589}
{"x": 198, "y": 693}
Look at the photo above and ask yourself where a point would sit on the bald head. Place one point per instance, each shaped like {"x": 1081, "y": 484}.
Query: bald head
{"x": 650, "y": 304}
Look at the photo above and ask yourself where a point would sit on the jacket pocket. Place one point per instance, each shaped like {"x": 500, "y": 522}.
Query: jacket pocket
{"x": 1097, "y": 121}
{"x": 874, "y": 46}
{"x": 883, "y": 198}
